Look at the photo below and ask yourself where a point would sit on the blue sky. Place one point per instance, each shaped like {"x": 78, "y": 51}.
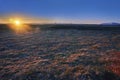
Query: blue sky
{"x": 83, "y": 10}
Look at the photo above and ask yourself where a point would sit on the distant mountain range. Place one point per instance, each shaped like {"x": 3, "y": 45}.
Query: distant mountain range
{"x": 112, "y": 23}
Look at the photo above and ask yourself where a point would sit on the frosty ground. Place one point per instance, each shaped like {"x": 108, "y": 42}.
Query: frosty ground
{"x": 62, "y": 54}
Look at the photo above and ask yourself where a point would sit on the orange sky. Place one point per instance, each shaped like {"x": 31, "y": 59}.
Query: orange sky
{"x": 41, "y": 20}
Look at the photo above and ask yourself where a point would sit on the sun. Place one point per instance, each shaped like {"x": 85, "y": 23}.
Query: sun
{"x": 17, "y": 22}
{"x": 18, "y": 26}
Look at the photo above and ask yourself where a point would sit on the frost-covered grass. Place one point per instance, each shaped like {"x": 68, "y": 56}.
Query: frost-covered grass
{"x": 60, "y": 55}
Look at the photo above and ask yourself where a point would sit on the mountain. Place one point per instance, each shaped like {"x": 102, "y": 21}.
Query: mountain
{"x": 112, "y": 23}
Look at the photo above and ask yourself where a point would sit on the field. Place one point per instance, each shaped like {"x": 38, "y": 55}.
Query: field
{"x": 55, "y": 53}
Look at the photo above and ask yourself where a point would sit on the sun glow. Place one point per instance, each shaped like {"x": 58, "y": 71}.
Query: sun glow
{"x": 17, "y": 26}
{"x": 17, "y": 22}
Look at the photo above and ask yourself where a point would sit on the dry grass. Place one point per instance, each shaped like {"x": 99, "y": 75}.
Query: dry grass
{"x": 60, "y": 55}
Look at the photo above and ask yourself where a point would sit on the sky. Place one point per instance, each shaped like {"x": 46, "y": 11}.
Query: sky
{"x": 71, "y": 11}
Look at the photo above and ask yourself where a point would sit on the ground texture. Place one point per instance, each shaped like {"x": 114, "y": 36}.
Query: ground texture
{"x": 60, "y": 55}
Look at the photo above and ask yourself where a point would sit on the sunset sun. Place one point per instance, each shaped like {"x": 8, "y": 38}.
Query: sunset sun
{"x": 17, "y": 22}
{"x": 18, "y": 26}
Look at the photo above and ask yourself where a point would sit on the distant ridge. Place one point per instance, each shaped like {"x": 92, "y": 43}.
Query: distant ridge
{"x": 112, "y": 23}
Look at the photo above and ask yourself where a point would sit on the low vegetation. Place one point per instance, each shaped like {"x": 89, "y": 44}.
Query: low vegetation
{"x": 60, "y": 55}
